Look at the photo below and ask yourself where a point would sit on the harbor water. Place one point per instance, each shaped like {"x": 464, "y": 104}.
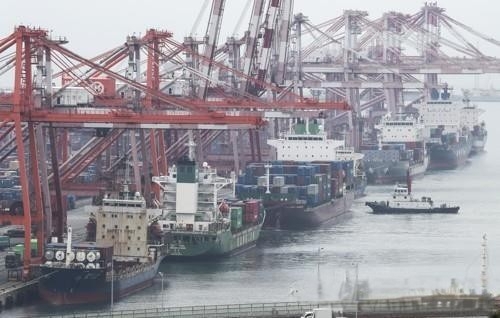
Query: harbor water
{"x": 393, "y": 255}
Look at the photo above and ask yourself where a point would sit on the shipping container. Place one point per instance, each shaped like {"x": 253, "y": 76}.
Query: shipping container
{"x": 279, "y": 180}
{"x": 262, "y": 181}
{"x": 252, "y": 206}
{"x": 4, "y": 242}
{"x": 312, "y": 189}
{"x": 236, "y": 217}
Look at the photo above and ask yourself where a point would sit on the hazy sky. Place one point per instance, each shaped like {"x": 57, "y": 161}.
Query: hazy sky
{"x": 93, "y": 26}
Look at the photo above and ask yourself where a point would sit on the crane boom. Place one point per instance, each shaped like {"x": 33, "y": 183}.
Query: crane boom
{"x": 211, "y": 39}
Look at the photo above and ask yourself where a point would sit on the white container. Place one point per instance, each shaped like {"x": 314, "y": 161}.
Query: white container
{"x": 312, "y": 189}
{"x": 262, "y": 181}
{"x": 279, "y": 181}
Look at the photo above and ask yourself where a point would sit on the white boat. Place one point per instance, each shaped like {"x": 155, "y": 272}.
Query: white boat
{"x": 402, "y": 201}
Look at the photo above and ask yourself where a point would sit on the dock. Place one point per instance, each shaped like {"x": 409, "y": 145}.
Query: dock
{"x": 17, "y": 292}
{"x": 422, "y": 306}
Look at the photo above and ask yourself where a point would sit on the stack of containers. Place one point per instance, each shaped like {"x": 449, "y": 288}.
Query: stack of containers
{"x": 289, "y": 180}
{"x": 312, "y": 195}
{"x": 337, "y": 179}
{"x": 251, "y": 214}
{"x": 348, "y": 167}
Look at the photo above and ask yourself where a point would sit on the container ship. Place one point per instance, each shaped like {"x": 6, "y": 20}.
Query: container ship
{"x": 400, "y": 148}
{"x": 470, "y": 118}
{"x": 122, "y": 260}
{"x": 482, "y": 94}
{"x": 200, "y": 216}
{"x": 308, "y": 184}
{"x": 479, "y": 137}
{"x": 308, "y": 142}
{"x": 448, "y": 130}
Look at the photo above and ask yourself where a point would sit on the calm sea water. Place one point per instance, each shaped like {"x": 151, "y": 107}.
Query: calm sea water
{"x": 395, "y": 255}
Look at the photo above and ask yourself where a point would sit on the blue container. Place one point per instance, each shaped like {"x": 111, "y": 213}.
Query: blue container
{"x": 290, "y": 179}
{"x": 276, "y": 170}
{"x": 336, "y": 165}
{"x": 307, "y": 180}
{"x": 301, "y": 170}
{"x": 292, "y": 190}
{"x": 241, "y": 179}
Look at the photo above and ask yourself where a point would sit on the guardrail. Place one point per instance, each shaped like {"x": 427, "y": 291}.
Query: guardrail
{"x": 436, "y": 306}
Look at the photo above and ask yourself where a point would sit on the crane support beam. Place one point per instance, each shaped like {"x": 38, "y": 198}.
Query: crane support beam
{"x": 129, "y": 119}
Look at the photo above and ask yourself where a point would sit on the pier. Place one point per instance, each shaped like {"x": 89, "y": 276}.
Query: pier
{"x": 17, "y": 292}
{"x": 423, "y": 306}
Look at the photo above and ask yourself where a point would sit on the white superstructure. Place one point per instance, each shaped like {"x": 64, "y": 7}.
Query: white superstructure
{"x": 190, "y": 196}
{"x": 123, "y": 222}
{"x": 402, "y": 198}
{"x": 400, "y": 129}
{"x": 440, "y": 113}
{"x": 309, "y": 142}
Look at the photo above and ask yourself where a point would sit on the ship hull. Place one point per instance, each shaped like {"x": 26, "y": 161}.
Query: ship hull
{"x": 443, "y": 157}
{"x": 71, "y": 286}
{"x": 214, "y": 244}
{"x": 393, "y": 172}
{"x": 299, "y": 217}
{"x": 360, "y": 183}
{"x": 478, "y": 144}
{"x": 379, "y": 208}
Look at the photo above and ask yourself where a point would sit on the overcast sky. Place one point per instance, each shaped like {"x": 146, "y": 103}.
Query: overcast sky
{"x": 93, "y": 26}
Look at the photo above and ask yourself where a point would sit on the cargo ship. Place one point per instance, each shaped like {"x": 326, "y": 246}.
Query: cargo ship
{"x": 308, "y": 184}
{"x": 470, "y": 118}
{"x": 448, "y": 135}
{"x": 479, "y": 137}
{"x": 308, "y": 141}
{"x": 482, "y": 94}
{"x": 200, "y": 216}
{"x": 122, "y": 260}
{"x": 400, "y": 148}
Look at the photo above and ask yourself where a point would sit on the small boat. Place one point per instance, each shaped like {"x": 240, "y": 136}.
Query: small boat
{"x": 402, "y": 201}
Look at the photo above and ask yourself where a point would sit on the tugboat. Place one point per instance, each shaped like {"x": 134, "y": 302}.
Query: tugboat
{"x": 402, "y": 202}
{"x": 201, "y": 218}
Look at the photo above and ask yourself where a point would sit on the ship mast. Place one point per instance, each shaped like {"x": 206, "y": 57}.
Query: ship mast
{"x": 408, "y": 181}
{"x": 69, "y": 256}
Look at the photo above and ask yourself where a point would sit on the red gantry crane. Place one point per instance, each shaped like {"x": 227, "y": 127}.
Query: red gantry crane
{"x": 29, "y": 114}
